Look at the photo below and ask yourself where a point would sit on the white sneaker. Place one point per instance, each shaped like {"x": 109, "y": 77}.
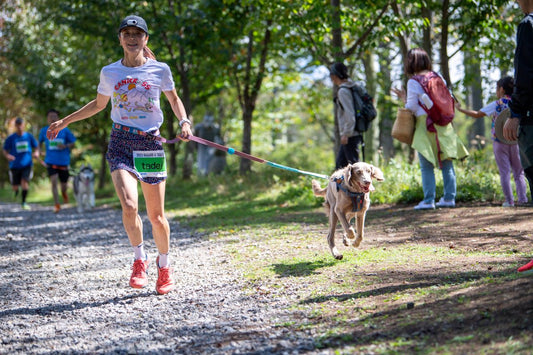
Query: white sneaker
{"x": 425, "y": 206}
{"x": 446, "y": 204}
{"x": 507, "y": 204}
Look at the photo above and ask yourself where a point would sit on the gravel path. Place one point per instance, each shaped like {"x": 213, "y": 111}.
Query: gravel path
{"x": 64, "y": 289}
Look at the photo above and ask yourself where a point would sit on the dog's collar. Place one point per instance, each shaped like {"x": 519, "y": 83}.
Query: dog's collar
{"x": 357, "y": 198}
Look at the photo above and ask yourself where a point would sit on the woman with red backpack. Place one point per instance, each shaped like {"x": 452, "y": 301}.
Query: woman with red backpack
{"x": 434, "y": 139}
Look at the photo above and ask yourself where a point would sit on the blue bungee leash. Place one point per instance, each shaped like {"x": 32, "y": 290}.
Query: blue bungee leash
{"x": 231, "y": 151}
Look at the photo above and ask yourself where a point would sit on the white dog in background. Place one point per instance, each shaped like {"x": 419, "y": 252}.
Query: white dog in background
{"x": 84, "y": 188}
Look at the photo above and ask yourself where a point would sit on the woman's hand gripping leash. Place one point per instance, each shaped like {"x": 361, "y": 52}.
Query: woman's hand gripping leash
{"x": 185, "y": 131}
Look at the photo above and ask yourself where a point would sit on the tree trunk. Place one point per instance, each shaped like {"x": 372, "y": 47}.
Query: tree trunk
{"x": 247, "y": 114}
{"x": 250, "y": 91}
{"x": 338, "y": 56}
{"x": 427, "y": 42}
{"x": 403, "y": 39}
{"x": 384, "y": 105}
{"x": 443, "y": 50}
{"x": 474, "y": 99}
{"x": 186, "y": 99}
{"x": 372, "y": 136}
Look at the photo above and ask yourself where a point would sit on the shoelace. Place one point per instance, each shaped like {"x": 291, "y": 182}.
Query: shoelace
{"x": 138, "y": 267}
{"x": 164, "y": 274}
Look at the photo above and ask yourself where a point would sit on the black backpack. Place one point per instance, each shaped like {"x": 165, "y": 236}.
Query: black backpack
{"x": 365, "y": 112}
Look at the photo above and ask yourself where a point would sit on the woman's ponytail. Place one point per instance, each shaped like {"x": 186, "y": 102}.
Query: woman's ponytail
{"x": 148, "y": 53}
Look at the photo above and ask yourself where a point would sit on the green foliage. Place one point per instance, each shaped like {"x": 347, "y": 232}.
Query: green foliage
{"x": 298, "y": 193}
{"x": 477, "y": 180}
{"x": 213, "y": 48}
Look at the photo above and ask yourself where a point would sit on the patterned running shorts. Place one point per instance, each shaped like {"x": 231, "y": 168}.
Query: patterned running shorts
{"x": 120, "y": 153}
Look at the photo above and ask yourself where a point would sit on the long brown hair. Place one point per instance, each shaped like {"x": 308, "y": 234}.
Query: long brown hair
{"x": 417, "y": 60}
{"x": 147, "y": 52}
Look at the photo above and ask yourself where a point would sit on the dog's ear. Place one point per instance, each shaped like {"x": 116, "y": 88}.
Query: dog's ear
{"x": 377, "y": 173}
{"x": 348, "y": 174}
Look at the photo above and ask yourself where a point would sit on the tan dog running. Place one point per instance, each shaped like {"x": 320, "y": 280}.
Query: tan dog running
{"x": 347, "y": 197}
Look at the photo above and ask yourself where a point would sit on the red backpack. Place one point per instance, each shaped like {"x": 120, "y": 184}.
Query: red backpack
{"x": 443, "y": 109}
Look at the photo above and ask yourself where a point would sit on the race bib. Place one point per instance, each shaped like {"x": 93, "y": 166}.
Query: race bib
{"x": 22, "y": 146}
{"x": 150, "y": 163}
{"x": 54, "y": 144}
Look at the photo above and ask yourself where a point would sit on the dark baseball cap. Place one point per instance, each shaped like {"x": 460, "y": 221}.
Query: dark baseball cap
{"x": 19, "y": 120}
{"x": 133, "y": 21}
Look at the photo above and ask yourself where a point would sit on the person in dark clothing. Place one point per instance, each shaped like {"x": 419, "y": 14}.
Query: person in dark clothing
{"x": 520, "y": 124}
{"x": 345, "y": 111}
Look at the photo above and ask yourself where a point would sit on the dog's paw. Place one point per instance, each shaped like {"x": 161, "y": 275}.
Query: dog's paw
{"x": 336, "y": 254}
{"x": 349, "y": 238}
{"x": 357, "y": 241}
{"x": 351, "y": 234}
{"x": 347, "y": 241}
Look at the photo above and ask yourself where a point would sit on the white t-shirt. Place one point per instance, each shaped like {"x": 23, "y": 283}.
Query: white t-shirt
{"x": 490, "y": 109}
{"x": 414, "y": 91}
{"x": 135, "y": 92}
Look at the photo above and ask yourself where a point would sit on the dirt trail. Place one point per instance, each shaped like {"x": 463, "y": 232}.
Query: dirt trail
{"x": 64, "y": 289}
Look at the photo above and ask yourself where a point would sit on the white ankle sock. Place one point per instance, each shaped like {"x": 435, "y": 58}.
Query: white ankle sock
{"x": 163, "y": 260}
{"x": 139, "y": 252}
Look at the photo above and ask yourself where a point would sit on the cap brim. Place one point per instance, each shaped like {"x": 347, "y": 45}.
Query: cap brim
{"x": 498, "y": 126}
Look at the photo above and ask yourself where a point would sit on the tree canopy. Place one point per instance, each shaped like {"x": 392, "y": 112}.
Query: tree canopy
{"x": 259, "y": 66}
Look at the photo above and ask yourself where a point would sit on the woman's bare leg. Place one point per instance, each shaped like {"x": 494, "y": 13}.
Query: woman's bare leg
{"x": 126, "y": 188}
{"x": 154, "y": 195}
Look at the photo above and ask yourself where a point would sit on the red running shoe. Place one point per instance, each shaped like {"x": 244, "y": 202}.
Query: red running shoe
{"x": 139, "y": 277}
{"x": 165, "y": 280}
{"x": 526, "y": 267}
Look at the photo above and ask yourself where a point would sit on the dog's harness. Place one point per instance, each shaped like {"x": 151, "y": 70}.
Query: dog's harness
{"x": 357, "y": 198}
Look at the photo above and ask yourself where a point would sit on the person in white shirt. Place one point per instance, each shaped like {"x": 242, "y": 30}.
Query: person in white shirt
{"x": 134, "y": 84}
{"x": 430, "y": 154}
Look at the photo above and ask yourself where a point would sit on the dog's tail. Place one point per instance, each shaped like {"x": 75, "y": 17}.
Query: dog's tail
{"x": 317, "y": 189}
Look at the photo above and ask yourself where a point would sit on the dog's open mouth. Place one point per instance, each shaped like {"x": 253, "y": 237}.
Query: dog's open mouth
{"x": 364, "y": 188}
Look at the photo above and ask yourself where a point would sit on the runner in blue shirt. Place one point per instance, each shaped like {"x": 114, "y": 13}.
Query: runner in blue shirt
{"x": 57, "y": 157}
{"x": 19, "y": 149}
